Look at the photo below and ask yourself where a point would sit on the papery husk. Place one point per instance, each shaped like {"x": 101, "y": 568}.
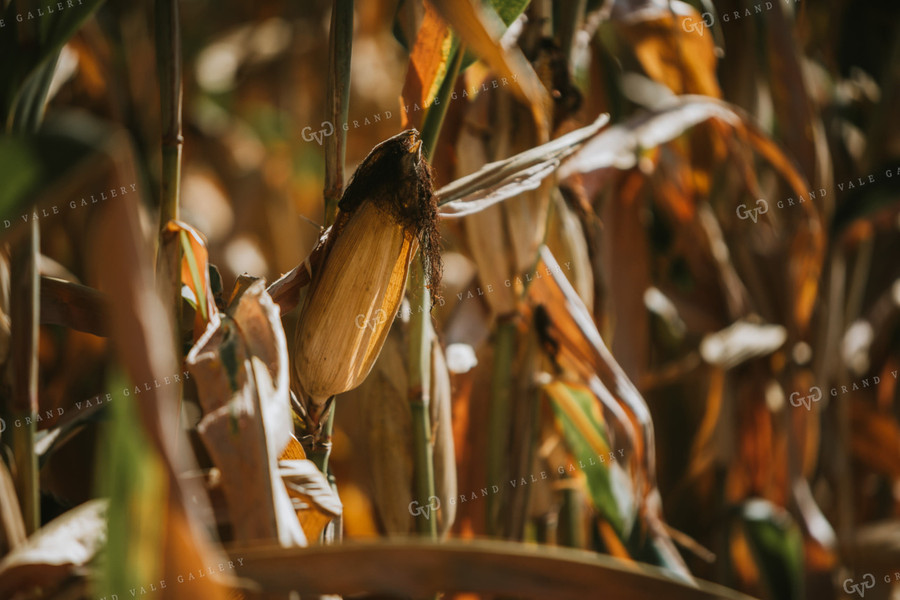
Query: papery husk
{"x": 504, "y": 238}
{"x": 351, "y": 305}
{"x": 388, "y": 212}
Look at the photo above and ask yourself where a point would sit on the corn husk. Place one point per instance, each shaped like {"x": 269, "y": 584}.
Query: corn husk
{"x": 503, "y": 239}
{"x": 387, "y": 213}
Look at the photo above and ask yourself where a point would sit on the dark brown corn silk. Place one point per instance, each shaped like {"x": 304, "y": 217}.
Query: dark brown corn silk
{"x": 397, "y": 178}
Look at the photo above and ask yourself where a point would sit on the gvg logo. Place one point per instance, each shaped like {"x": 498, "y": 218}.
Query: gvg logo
{"x": 867, "y": 583}
{"x": 320, "y": 135}
{"x": 379, "y": 318}
{"x": 815, "y": 394}
{"x": 434, "y": 503}
{"x": 690, "y": 25}
{"x": 762, "y": 207}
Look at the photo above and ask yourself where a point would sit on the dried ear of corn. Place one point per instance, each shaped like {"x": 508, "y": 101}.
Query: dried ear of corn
{"x": 503, "y": 239}
{"x": 386, "y": 213}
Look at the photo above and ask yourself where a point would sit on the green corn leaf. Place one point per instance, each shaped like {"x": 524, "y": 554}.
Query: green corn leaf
{"x": 581, "y": 422}
{"x": 54, "y": 29}
{"x": 777, "y": 547}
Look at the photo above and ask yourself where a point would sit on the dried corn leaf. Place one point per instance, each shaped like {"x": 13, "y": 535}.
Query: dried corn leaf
{"x": 56, "y": 551}
{"x": 141, "y": 335}
{"x": 621, "y": 147}
{"x": 668, "y": 49}
{"x": 241, "y": 368}
{"x": 480, "y": 29}
{"x": 579, "y": 417}
{"x": 416, "y": 569}
{"x": 428, "y": 62}
{"x": 194, "y": 271}
{"x": 503, "y": 239}
{"x": 577, "y": 347}
{"x": 573, "y": 342}
{"x": 504, "y": 179}
{"x": 306, "y": 483}
{"x": 377, "y": 419}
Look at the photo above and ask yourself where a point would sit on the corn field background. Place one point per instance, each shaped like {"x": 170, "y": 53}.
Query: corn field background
{"x": 450, "y": 299}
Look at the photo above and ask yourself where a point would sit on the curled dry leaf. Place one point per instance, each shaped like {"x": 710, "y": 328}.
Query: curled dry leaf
{"x": 308, "y": 485}
{"x": 428, "y": 62}
{"x": 241, "y": 368}
{"x": 573, "y": 342}
{"x": 503, "y": 179}
{"x": 194, "y": 270}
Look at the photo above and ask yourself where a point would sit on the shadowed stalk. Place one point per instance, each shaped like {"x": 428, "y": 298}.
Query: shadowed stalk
{"x": 24, "y": 318}
{"x": 571, "y": 518}
{"x": 499, "y": 416}
{"x": 568, "y": 18}
{"x": 320, "y": 451}
{"x": 338, "y": 103}
{"x": 168, "y": 60}
{"x": 420, "y": 336}
{"x": 525, "y": 438}
{"x": 420, "y": 396}
{"x": 27, "y": 114}
{"x": 431, "y": 127}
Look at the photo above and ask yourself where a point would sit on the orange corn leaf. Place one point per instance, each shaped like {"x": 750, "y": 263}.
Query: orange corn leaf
{"x": 427, "y": 65}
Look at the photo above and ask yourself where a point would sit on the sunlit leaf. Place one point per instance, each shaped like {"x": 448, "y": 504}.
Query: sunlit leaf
{"x": 578, "y": 414}
{"x": 480, "y": 28}
{"x": 194, "y": 270}
{"x": 241, "y": 368}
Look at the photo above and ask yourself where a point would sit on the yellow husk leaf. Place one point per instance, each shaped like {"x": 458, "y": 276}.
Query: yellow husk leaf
{"x": 352, "y": 303}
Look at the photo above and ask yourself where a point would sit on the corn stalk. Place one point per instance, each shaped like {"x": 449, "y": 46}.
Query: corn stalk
{"x": 338, "y": 104}
{"x": 168, "y": 60}
{"x": 27, "y": 114}
{"x": 420, "y": 334}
